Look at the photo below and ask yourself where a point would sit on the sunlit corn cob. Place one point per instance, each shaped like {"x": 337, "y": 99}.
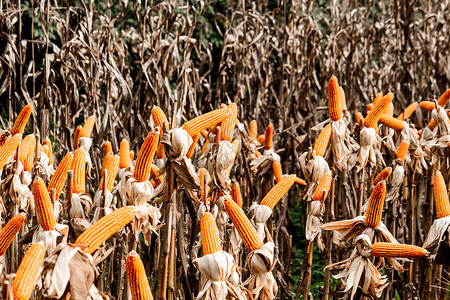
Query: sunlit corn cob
{"x": 300, "y": 181}
{"x": 369, "y": 107}
{"x": 112, "y": 168}
{"x": 342, "y": 99}
{"x": 427, "y": 105}
{"x": 88, "y": 127}
{"x": 44, "y": 206}
{"x": 106, "y": 159}
{"x": 389, "y": 110}
{"x": 79, "y": 171}
{"x": 408, "y": 111}
{"x": 227, "y": 126}
{"x": 145, "y": 156}
{"x": 131, "y": 155}
{"x": 253, "y": 129}
{"x": 137, "y": 278}
{"x": 403, "y": 150}
{"x": 161, "y": 121}
{"x": 10, "y": 230}
{"x": 204, "y": 133}
{"x": 8, "y": 149}
{"x": 322, "y": 140}
{"x": 28, "y": 163}
{"x": 107, "y": 146}
{"x": 210, "y": 234}
{"x": 160, "y": 151}
{"x": 28, "y": 271}
{"x": 378, "y": 109}
{"x": 383, "y": 175}
{"x": 377, "y": 98}
{"x": 59, "y": 177}
{"x": 124, "y": 153}
{"x": 76, "y": 136}
{"x": 445, "y": 97}
{"x": 268, "y": 137}
{"x": 277, "y": 171}
{"x": 440, "y": 196}
{"x": 22, "y": 119}
{"x": 432, "y": 125}
{"x": 392, "y": 122}
{"x": 245, "y": 229}
{"x": 261, "y": 138}
{"x": 28, "y": 144}
{"x": 154, "y": 175}
{"x": 236, "y": 193}
{"x": 358, "y": 117}
{"x": 48, "y": 142}
{"x": 334, "y": 103}
{"x": 278, "y": 191}
{"x": 104, "y": 228}
{"x": 205, "y": 121}
{"x": 191, "y": 149}
{"x": 204, "y": 177}
{"x": 383, "y": 249}
{"x": 257, "y": 153}
{"x": 376, "y": 203}
{"x": 322, "y": 189}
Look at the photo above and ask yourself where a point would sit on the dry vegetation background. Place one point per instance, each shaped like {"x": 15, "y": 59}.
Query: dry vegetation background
{"x": 117, "y": 59}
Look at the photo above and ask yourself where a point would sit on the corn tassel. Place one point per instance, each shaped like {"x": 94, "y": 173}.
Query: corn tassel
{"x": 205, "y": 121}
{"x": 322, "y": 189}
{"x": 440, "y": 196}
{"x": 210, "y": 234}
{"x": 376, "y": 202}
{"x": 378, "y": 109}
{"x": 427, "y": 105}
{"x": 392, "y": 122}
{"x": 59, "y": 178}
{"x": 278, "y": 191}
{"x": 268, "y": 137}
{"x": 44, "y": 206}
{"x": 28, "y": 144}
{"x": 334, "y": 103}
{"x": 10, "y": 230}
{"x": 445, "y": 97}
{"x": 76, "y": 136}
{"x": 383, "y": 249}
{"x": 112, "y": 168}
{"x": 253, "y": 129}
{"x": 28, "y": 271}
{"x": 79, "y": 171}
{"x": 403, "y": 150}
{"x": 236, "y": 193}
{"x": 145, "y": 156}
{"x": 137, "y": 278}
{"x": 21, "y": 121}
{"x": 8, "y": 149}
{"x": 383, "y": 175}
{"x": 277, "y": 171}
{"x": 124, "y": 153}
{"x": 408, "y": 111}
{"x": 227, "y": 126}
{"x": 322, "y": 140}
{"x": 88, "y": 127}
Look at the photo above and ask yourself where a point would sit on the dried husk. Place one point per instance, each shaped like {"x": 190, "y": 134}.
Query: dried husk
{"x": 313, "y": 223}
{"x": 259, "y": 214}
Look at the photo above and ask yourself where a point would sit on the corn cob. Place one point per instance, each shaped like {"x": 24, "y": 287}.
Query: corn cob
{"x": 44, "y": 206}
{"x": 204, "y": 188}
{"x": 210, "y": 234}
{"x": 22, "y": 119}
{"x": 445, "y": 97}
{"x": 88, "y": 127}
{"x": 432, "y": 125}
{"x": 227, "y": 126}
{"x": 322, "y": 140}
{"x": 253, "y": 129}
{"x": 342, "y": 99}
{"x": 358, "y": 117}
{"x": 28, "y": 164}
{"x": 261, "y": 138}
{"x": 160, "y": 151}
{"x": 76, "y": 136}
{"x": 383, "y": 175}
{"x": 124, "y": 153}
{"x": 277, "y": 171}
{"x": 48, "y": 142}
{"x": 59, "y": 177}
{"x": 392, "y": 122}
{"x": 278, "y": 191}
{"x": 137, "y": 278}
{"x": 402, "y": 150}
{"x": 236, "y": 192}
{"x": 378, "y": 109}
{"x": 383, "y": 249}
{"x": 191, "y": 149}
{"x": 145, "y": 156}
{"x": 408, "y": 111}
{"x": 268, "y": 137}
{"x": 10, "y": 230}
{"x": 106, "y": 159}
{"x": 376, "y": 202}
{"x": 107, "y": 146}
{"x": 427, "y": 105}
{"x": 300, "y": 181}
{"x": 377, "y": 98}
{"x": 28, "y": 144}
{"x": 8, "y": 149}
{"x": 389, "y": 110}
{"x": 334, "y": 103}
{"x": 28, "y": 271}
{"x": 322, "y": 189}
{"x": 205, "y": 121}
{"x": 131, "y": 155}
{"x": 154, "y": 175}
{"x": 204, "y": 146}
{"x": 245, "y": 229}
{"x": 440, "y": 196}
{"x": 112, "y": 168}
{"x": 160, "y": 118}
{"x": 369, "y": 107}
{"x": 104, "y": 228}
{"x": 79, "y": 171}
{"x": 257, "y": 153}
{"x": 204, "y": 133}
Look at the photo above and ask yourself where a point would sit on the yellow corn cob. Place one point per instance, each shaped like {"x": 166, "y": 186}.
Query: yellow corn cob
{"x": 10, "y": 230}
{"x": 160, "y": 151}
{"x": 392, "y": 122}
{"x": 28, "y": 164}
{"x": 22, "y": 119}
{"x": 342, "y": 100}
{"x": 378, "y": 109}
{"x": 277, "y": 171}
{"x": 278, "y": 191}
{"x": 210, "y": 234}
{"x": 245, "y": 229}
{"x": 154, "y": 175}
{"x": 137, "y": 278}
{"x": 445, "y": 97}
{"x": 112, "y": 168}
{"x": 377, "y": 98}
{"x": 8, "y": 149}
{"x": 106, "y": 159}
{"x": 300, "y": 181}
{"x": 79, "y": 171}
{"x": 432, "y": 125}
{"x": 76, "y": 136}
{"x": 383, "y": 249}
{"x": 389, "y": 110}
{"x": 376, "y": 202}
{"x": 101, "y": 230}
{"x": 191, "y": 149}
{"x": 28, "y": 271}
{"x": 204, "y": 178}
{"x": 88, "y": 127}
{"x": 261, "y": 138}
{"x": 131, "y": 155}
{"x": 124, "y": 153}
{"x": 107, "y": 146}
{"x": 322, "y": 140}
{"x": 440, "y": 196}
{"x": 334, "y": 103}
{"x": 28, "y": 144}
{"x": 253, "y": 129}
{"x": 322, "y": 189}
{"x": 44, "y": 206}
{"x": 204, "y": 133}
{"x": 59, "y": 177}
{"x": 408, "y": 111}
{"x": 402, "y": 150}
{"x": 204, "y": 146}
{"x": 236, "y": 193}
{"x": 369, "y": 107}
{"x": 257, "y": 153}
{"x": 205, "y": 121}
{"x": 383, "y": 175}
{"x": 48, "y": 142}
{"x": 427, "y": 105}
{"x": 268, "y": 137}
{"x": 160, "y": 118}
{"x": 145, "y": 156}
{"x": 227, "y": 126}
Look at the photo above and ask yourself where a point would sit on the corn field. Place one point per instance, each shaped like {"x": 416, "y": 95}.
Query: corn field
{"x": 224, "y": 149}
